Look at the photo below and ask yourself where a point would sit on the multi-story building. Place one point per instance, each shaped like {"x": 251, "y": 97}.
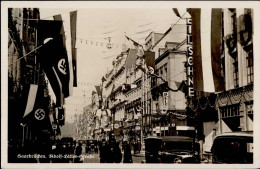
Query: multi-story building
{"x": 168, "y": 103}
{"x": 24, "y": 70}
{"x": 231, "y": 109}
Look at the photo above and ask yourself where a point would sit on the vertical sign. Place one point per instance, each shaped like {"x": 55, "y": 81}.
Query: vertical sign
{"x": 165, "y": 100}
{"x": 189, "y": 65}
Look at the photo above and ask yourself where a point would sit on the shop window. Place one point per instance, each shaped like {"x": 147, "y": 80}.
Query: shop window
{"x": 230, "y": 111}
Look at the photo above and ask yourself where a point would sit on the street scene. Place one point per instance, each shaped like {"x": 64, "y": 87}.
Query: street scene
{"x": 130, "y": 85}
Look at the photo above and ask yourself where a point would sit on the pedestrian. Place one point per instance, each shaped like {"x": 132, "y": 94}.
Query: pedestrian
{"x": 78, "y": 153}
{"x": 127, "y": 153}
{"x": 103, "y": 151}
{"x": 114, "y": 152}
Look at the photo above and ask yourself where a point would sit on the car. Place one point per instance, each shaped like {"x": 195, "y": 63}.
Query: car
{"x": 170, "y": 149}
{"x": 233, "y": 147}
{"x": 91, "y": 146}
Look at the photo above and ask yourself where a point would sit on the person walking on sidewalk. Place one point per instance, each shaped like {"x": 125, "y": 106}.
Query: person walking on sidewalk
{"x": 103, "y": 151}
{"x": 127, "y": 153}
{"x": 114, "y": 155}
{"x": 78, "y": 153}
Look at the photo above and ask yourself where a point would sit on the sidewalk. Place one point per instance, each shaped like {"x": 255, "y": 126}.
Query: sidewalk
{"x": 141, "y": 154}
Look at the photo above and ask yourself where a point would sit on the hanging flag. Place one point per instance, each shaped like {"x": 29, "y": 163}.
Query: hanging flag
{"x": 136, "y": 44}
{"x": 98, "y": 90}
{"x": 103, "y": 79}
{"x": 59, "y": 18}
{"x": 54, "y": 61}
{"x": 140, "y": 51}
{"x": 180, "y": 12}
{"x": 216, "y": 49}
{"x": 150, "y": 61}
{"x": 73, "y": 31}
{"x": 31, "y": 99}
{"x": 206, "y": 29}
{"x": 175, "y": 10}
{"x": 37, "y": 112}
{"x": 130, "y": 60}
{"x": 48, "y": 29}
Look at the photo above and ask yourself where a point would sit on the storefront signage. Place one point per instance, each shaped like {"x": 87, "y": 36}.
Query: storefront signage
{"x": 189, "y": 58}
{"x": 158, "y": 129}
{"x": 165, "y": 100}
{"x": 130, "y": 124}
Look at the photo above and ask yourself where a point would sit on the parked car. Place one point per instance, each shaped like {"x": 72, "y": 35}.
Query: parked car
{"x": 91, "y": 146}
{"x": 170, "y": 149}
{"x": 235, "y": 147}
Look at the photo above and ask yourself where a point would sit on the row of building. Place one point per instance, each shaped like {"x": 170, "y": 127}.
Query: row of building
{"x": 33, "y": 132}
{"x": 135, "y": 101}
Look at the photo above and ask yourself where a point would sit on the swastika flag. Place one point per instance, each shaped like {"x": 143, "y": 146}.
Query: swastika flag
{"x": 37, "y": 111}
{"x": 54, "y": 59}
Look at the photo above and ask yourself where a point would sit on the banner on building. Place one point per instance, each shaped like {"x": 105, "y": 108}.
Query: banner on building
{"x": 37, "y": 112}
{"x": 54, "y": 61}
{"x": 207, "y": 29}
{"x": 150, "y": 61}
{"x": 62, "y": 32}
{"x": 73, "y": 31}
{"x": 31, "y": 99}
{"x": 130, "y": 61}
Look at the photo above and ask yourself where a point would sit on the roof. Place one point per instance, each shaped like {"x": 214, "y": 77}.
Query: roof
{"x": 238, "y": 133}
{"x": 171, "y": 138}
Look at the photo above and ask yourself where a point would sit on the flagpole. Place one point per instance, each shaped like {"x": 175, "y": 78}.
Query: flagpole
{"x": 27, "y": 54}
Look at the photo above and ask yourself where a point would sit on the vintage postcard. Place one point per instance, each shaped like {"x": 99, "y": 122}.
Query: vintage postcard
{"x": 127, "y": 84}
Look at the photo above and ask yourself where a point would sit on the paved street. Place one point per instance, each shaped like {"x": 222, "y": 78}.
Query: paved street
{"x": 94, "y": 158}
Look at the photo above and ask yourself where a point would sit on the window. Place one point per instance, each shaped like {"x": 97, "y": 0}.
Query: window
{"x": 249, "y": 108}
{"x": 230, "y": 111}
{"x": 250, "y": 69}
{"x": 236, "y": 78}
{"x": 234, "y": 55}
{"x": 165, "y": 69}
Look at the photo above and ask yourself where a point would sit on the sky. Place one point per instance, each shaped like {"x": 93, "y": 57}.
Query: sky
{"x": 94, "y": 26}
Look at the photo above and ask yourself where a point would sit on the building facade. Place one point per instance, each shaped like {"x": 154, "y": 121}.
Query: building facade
{"x": 230, "y": 110}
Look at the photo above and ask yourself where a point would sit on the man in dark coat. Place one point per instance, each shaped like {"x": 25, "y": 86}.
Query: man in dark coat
{"x": 78, "y": 153}
{"x": 103, "y": 151}
{"x": 127, "y": 153}
{"x": 114, "y": 153}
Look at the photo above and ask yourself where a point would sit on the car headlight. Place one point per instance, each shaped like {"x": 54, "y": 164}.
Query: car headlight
{"x": 177, "y": 161}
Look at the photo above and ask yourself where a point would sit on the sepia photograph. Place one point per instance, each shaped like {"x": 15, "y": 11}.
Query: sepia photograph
{"x": 121, "y": 83}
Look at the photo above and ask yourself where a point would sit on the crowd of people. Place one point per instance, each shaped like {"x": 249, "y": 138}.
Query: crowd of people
{"x": 110, "y": 152}
{"x": 71, "y": 152}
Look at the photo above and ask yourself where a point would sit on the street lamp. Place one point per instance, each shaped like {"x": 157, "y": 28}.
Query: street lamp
{"x": 109, "y": 45}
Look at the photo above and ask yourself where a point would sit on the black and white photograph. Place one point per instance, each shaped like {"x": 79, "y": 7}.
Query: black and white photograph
{"x": 120, "y": 83}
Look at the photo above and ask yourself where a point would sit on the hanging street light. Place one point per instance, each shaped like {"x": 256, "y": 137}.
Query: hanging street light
{"x": 109, "y": 45}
